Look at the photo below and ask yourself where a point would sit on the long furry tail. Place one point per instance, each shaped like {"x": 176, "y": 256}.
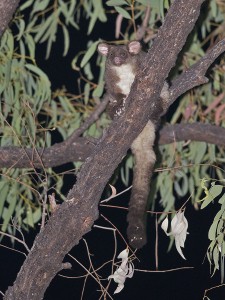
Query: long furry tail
{"x": 144, "y": 156}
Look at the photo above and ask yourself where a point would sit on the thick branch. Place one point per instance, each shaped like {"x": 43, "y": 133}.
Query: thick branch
{"x": 76, "y": 216}
{"x": 56, "y": 155}
{"x": 195, "y": 132}
{"x": 7, "y": 9}
{"x": 75, "y": 148}
{"x": 195, "y": 75}
{"x": 81, "y": 148}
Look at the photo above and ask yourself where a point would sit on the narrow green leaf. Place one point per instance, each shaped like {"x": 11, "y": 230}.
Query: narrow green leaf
{"x": 43, "y": 28}
{"x": 8, "y": 212}
{"x": 72, "y": 7}
{"x": 216, "y": 258}
{"x": 31, "y": 45}
{"x": 86, "y": 93}
{"x": 26, "y": 5}
{"x": 214, "y": 191}
{"x": 201, "y": 151}
{"x": 144, "y": 2}
{"x": 98, "y": 90}
{"x": 222, "y": 199}
{"x": 37, "y": 215}
{"x": 66, "y": 40}
{"x": 22, "y": 52}
{"x": 123, "y": 12}
{"x": 88, "y": 72}
{"x": 92, "y": 130}
{"x": 213, "y": 6}
{"x": 181, "y": 185}
{"x": 29, "y": 217}
{"x": 40, "y": 6}
{"x": 50, "y": 33}
{"x": 4, "y": 190}
{"x": 212, "y": 231}
{"x": 166, "y": 4}
{"x": 90, "y": 52}
{"x": 116, "y": 2}
{"x": 21, "y": 26}
{"x": 94, "y": 17}
{"x": 38, "y": 72}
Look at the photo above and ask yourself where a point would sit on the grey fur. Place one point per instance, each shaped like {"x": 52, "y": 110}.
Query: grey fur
{"x": 122, "y": 65}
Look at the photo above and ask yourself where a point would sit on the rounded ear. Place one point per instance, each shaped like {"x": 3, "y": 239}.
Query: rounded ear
{"x": 103, "y": 49}
{"x": 134, "y": 47}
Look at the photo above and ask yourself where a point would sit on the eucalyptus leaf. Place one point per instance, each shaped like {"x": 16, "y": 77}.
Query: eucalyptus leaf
{"x": 88, "y": 72}
{"x": 29, "y": 217}
{"x": 201, "y": 148}
{"x": 222, "y": 200}
{"x": 38, "y": 72}
{"x": 116, "y": 2}
{"x": 145, "y": 2}
{"x": 181, "y": 186}
{"x": 123, "y": 12}
{"x": 40, "y": 5}
{"x": 94, "y": 15}
{"x": 90, "y": 52}
{"x": 44, "y": 26}
{"x": 212, "y": 231}
{"x": 214, "y": 191}
{"x": 21, "y": 26}
{"x": 214, "y": 8}
{"x": 8, "y": 212}
{"x": 4, "y": 190}
{"x": 98, "y": 90}
{"x": 86, "y": 92}
{"x": 26, "y": 5}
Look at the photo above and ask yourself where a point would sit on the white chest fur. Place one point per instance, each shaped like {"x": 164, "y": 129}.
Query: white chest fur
{"x": 126, "y": 78}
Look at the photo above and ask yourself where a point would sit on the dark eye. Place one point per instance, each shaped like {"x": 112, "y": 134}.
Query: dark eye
{"x": 123, "y": 54}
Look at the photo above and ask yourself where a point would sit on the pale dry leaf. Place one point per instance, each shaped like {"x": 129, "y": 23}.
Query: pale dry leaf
{"x": 179, "y": 226}
{"x": 126, "y": 269}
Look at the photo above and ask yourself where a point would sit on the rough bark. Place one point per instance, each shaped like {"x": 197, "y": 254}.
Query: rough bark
{"x": 7, "y": 9}
{"x": 82, "y": 148}
{"x": 194, "y": 132}
{"x": 76, "y": 216}
{"x": 56, "y": 155}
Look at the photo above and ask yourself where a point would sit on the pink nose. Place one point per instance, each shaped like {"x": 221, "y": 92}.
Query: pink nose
{"x": 117, "y": 60}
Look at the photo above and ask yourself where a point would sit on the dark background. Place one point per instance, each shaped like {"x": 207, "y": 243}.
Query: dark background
{"x": 175, "y": 285}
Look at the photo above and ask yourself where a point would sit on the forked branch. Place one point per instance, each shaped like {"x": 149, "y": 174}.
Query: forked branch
{"x": 75, "y": 216}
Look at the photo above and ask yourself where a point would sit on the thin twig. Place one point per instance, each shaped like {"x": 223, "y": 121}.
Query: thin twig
{"x": 16, "y": 239}
{"x": 2, "y": 293}
{"x": 92, "y": 267}
{"x": 3, "y": 246}
{"x": 89, "y": 273}
{"x": 163, "y": 271}
{"x": 212, "y": 288}
{"x": 133, "y": 253}
{"x": 90, "y": 120}
{"x": 114, "y": 196}
{"x": 84, "y": 284}
{"x": 142, "y": 29}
